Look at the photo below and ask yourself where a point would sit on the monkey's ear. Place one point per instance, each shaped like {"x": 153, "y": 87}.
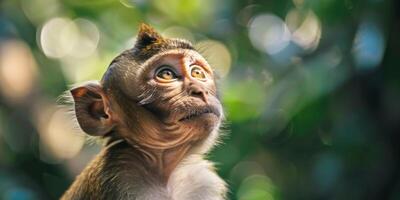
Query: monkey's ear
{"x": 92, "y": 109}
{"x": 147, "y": 36}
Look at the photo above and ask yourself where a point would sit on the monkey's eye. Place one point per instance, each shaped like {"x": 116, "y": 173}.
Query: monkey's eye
{"x": 197, "y": 72}
{"x": 166, "y": 73}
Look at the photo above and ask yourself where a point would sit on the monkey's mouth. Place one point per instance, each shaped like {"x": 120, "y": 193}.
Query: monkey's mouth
{"x": 201, "y": 112}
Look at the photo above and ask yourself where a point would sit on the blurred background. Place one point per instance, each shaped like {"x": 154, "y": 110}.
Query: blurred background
{"x": 311, "y": 90}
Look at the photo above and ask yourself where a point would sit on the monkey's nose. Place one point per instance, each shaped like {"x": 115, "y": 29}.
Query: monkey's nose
{"x": 198, "y": 91}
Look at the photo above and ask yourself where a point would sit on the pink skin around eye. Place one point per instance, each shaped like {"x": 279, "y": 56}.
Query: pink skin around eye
{"x": 192, "y": 59}
{"x": 182, "y": 61}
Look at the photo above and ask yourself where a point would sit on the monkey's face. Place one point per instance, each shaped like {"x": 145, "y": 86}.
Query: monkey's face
{"x": 179, "y": 89}
{"x": 159, "y": 94}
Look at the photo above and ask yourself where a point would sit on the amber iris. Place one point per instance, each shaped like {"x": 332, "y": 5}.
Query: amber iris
{"x": 198, "y": 73}
{"x": 166, "y": 73}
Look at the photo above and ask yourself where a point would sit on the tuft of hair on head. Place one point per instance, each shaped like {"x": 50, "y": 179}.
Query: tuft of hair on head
{"x": 147, "y": 36}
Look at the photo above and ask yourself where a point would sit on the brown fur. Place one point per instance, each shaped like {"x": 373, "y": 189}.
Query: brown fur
{"x": 158, "y": 131}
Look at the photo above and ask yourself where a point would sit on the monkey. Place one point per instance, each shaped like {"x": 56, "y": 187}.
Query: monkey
{"x": 158, "y": 109}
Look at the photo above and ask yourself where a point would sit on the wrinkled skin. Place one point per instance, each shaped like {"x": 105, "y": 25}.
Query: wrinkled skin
{"x": 160, "y": 100}
{"x": 172, "y": 114}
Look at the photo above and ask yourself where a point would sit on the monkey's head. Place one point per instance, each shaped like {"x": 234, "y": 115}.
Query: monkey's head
{"x": 158, "y": 95}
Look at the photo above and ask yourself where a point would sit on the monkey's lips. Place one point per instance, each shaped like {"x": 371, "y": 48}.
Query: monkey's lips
{"x": 201, "y": 112}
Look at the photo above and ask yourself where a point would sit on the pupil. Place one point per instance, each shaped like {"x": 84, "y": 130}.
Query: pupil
{"x": 166, "y": 72}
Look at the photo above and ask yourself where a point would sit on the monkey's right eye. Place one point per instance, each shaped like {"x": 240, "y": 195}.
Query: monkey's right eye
{"x": 165, "y": 73}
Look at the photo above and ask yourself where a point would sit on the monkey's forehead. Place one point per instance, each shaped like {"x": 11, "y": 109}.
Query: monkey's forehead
{"x": 140, "y": 54}
{"x": 187, "y": 55}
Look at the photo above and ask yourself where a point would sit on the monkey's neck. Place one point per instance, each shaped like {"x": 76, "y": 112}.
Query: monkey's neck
{"x": 169, "y": 160}
{"x": 160, "y": 162}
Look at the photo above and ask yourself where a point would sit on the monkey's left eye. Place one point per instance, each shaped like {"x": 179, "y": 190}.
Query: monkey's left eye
{"x": 166, "y": 73}
{"x": 197, "y": 72}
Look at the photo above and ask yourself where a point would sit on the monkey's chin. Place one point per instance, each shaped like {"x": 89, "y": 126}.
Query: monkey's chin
{"x": 204, "y": 121}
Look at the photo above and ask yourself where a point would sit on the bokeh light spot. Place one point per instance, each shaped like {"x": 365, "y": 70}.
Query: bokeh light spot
{"x": 50, "y": 38}
{"x": 244, "y": 169}
{"x": 59, "y": 139}
{"x": 62, "y": 37}
{"x": 306, "y": 33}
{"x": 88, "y": 38}
{"x": 298, "y": 3}
{"x": 178, "y": 32}
{"x": 18, "y": 70}
{"x": 34, "y": 11}
{"x": 369, "y": 45}
{"x": 257, "y": 187}
{"x": 269, "y": 33}
{"x": 217, "y": 55}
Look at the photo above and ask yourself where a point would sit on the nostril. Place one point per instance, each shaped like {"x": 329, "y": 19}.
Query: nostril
{"x": 196, "y": 91}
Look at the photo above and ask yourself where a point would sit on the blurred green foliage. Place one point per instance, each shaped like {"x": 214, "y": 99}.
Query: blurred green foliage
{"x": 311, "y": 94}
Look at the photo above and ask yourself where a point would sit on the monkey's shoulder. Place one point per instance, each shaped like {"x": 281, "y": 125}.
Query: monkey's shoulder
{"x": 114, "y": 173}
{"x": 118, "y": 173}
